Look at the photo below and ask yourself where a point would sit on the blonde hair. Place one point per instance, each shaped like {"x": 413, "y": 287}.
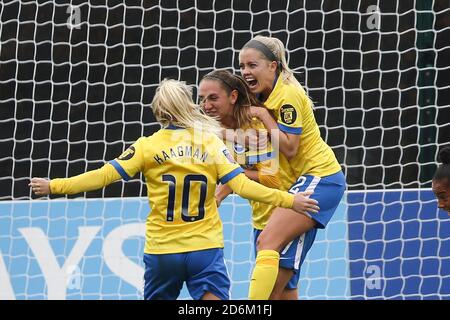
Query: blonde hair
{"x": 173, "y": 104}
{"x": 277, "y": 48}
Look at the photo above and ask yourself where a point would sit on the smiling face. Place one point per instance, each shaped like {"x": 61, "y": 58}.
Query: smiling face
{"x": 215, "y": 100}
{"x": 441, "y": 189}
{"x": 257, "y": 71}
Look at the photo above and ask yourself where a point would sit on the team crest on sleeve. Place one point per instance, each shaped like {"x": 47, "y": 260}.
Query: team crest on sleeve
{"x": 228, "y": 155}
{"x": 288, "y": 114}
{"x": 127, "y": 154}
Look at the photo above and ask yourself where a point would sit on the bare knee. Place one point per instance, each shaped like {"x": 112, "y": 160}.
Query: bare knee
{"x": 263, "y": 242}
{"x": 269, "y": 241}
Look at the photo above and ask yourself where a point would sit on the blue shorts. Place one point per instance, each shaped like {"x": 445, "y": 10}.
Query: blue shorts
{"x": 328, "y": 191}
{"x": 203, "y": 271}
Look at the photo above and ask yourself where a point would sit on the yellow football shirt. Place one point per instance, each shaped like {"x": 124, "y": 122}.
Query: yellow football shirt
{"x": 273, "y": 171}
{"x": 181, "y": 168}
{"x": 293, "y": 110}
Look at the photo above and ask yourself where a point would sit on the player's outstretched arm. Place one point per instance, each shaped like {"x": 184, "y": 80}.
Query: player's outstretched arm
{"x": 91, "y": 180}
{"x": 249, "y": 189}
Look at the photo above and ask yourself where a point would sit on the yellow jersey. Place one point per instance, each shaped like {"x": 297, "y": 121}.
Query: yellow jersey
{"x": 273, "y": 171}
{"x": 293, "y": 110}
{"x": 181, "y": 168}
{"x": 181, "y": 172}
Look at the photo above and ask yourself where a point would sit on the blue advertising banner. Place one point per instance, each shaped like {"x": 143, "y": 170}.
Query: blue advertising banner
{"x": 379, "y": 245}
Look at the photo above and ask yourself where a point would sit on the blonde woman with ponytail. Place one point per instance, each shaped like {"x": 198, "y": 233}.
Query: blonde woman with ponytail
{"x": 289, "y": 118}
{"x": 182, "y": 164}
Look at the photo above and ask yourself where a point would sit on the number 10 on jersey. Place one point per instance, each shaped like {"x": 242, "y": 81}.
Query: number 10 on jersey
{"x": 188, "y": 179}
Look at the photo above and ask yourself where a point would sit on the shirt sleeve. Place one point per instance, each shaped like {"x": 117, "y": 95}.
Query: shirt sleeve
{"x": 91, "y": 180}
{"x": 227, "y": 168}
{"x": 290, "y": 113}
{"x": 260, "y": 152}
{"x": 268, "y": 175}
{"x": 131, "y": 161}
{"x": 262, "y": 159}
{"x": 252, "y": 190}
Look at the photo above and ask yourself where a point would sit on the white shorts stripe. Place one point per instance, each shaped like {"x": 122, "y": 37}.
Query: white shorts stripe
{"x": 301, "y": 242}
{"x": 228, "y": 275}
{"x": 287, "y": 247}
{"x": 315, "y": 181}
{"x": 298, "y": 254}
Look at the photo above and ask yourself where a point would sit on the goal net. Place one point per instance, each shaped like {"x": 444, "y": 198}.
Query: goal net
{"x": 76, "y": 81}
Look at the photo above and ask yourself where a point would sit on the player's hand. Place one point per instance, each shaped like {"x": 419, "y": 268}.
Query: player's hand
{"x": 40, "y": 186}
{"x": 222, "y": 191}
{"x": 256, "y": 139}
{"x": 256, "y": 111}
{"x": 303, "y": 204}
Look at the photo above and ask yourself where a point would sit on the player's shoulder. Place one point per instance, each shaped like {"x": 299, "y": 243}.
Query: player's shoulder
{"x": 210, "y": 138}
{"x": 144, "y": 140}
{"x": 213, "y": 143}
{"x": 294, "y": 95}
{"x": 147, "y": 141}
{"x": 292, "y": 90}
